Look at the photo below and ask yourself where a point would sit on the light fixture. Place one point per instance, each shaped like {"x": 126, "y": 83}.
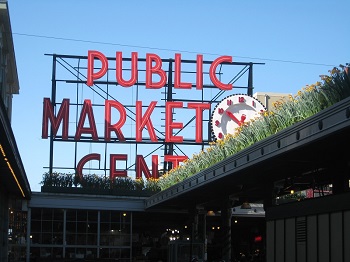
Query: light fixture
{"x": 210, "y": 213}
{"x": 11, "y": 170}
{"x": 245, "y": 205}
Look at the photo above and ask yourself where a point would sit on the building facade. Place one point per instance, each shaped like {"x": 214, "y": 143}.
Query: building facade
{"x": 196, "y": 217}
{"x": 13, "y": 180}
{"x": 107, "y": 228}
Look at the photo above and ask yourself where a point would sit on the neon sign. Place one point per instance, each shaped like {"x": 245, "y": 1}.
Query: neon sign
{"x": 105, "y": 121}
{"x": 154, "y": 66}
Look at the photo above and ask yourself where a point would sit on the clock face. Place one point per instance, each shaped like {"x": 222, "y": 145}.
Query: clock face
{"x": 232, "y": 112}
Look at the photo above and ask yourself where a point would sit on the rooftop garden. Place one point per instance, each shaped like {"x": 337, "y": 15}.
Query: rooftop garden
{"x": 308, "y": 101}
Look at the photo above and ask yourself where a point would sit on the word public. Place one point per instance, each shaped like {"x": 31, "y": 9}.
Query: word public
{"x": 154, "y": 67}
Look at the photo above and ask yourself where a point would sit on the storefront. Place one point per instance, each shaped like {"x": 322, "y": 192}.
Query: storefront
{"x": 95, "y": 227}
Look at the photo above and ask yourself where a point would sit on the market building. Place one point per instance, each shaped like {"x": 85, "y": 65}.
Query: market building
{"x": 234, "y": 208}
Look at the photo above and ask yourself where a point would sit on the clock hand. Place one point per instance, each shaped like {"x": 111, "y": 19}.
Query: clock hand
{"x": 232, "y": 116}
{"x": 243, "y": 117}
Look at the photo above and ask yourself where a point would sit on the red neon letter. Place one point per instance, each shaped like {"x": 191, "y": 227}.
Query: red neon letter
{"x": 90, "y": 70}
{"x": 112, "y": 166}
{"x": 62, "y": 116}
{"x": 82, "y": 162}
{"x": 170, "y": 125}
{"x": 87, "y": 110}
{"x": 119, "y": 70}
{"x": 199, "y": 74}
{"x": 212, "y": 74}
{"x": 177, "y": 82}
{"x": 116, "y": 127}
{"x": 157, "y": 69}
{"x": 141, "y": 167}
{"x": 142, "y": 121}
{"x": 175, "y": 160}
{"x": 199, "y": 117}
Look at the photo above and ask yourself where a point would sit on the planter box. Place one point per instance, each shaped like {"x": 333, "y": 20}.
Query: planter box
{"x": 96, "y": 191}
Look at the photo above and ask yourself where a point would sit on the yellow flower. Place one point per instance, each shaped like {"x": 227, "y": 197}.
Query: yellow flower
{"x": 334, "y": 71}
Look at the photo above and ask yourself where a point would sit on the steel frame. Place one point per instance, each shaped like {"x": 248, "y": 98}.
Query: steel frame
{"x": 72, "y": 70}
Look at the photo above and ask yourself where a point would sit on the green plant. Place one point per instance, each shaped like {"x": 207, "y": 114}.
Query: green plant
{"x": 139, "y": 183}
{"x": 295, "y": 196}
{"x": 290, "y": 110}
{"x": 125, "y": 183}
{"x": 152, "y": 185}
{"x": 307, "y": 102}
{"x": 57, "y": 179}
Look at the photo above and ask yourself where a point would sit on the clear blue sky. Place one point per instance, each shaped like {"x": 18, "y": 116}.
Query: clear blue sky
{"x": 297, "y": 41}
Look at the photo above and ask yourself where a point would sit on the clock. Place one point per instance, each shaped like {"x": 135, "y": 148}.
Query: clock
{"x": 232, "y": 112}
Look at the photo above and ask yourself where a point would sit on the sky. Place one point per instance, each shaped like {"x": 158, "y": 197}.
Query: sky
{"x": 296, "y": 40}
